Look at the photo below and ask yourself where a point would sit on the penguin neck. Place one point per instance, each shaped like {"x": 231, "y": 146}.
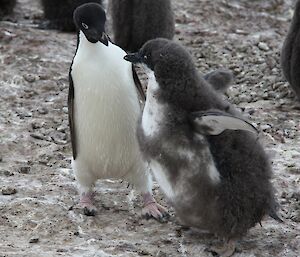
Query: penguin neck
{"x": 88, "y": 47}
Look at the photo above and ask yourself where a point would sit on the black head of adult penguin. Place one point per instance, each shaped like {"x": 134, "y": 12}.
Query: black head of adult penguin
{"x": 90, "y": 18}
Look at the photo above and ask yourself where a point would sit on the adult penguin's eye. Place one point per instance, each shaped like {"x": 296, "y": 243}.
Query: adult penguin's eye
{"x": 84, "y": 25}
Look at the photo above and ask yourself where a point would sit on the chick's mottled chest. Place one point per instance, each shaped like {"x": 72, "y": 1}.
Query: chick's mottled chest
{"x": 154, "y": 111}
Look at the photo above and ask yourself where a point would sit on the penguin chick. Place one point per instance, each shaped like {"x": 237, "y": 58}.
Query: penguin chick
{"x": 290, "y": 54}
{"x": 59, "y": 14}
{"x": 103, "y": 112}
{"x": 216, "y": 181}
{"x": 219, "y": 79}
{"x": 137, "y": 21}
{"x": 6, "y": 7}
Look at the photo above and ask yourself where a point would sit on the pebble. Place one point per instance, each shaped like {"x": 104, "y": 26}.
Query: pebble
{"x": 24, "y": 170}
{"x": 9, "y": 191}
{"x": 265, "y": 127}
{"x": 263, "y": 46}
{"x": 296, "y": 216}
{"x": 62, "y": 128}
{"x": 33, "y": 240}
{"x": 36, "y": 125}
{"x": 42, "y": 110}
{"x": 65, "y": 109}
{"x": 40, "y": 137}
{"x": 7, "y": 173}
{"x": 29, "y": 78}
{"x": 44, "y": 76}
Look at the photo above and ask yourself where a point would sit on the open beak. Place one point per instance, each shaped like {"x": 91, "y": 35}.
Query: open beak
{"x": 104, "y": 39}
{"x": 133, "y": 58}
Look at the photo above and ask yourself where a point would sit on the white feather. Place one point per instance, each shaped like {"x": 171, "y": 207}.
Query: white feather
{"x": 160, "y": 174}
{"x": 105, "y": 113}
{"x": 153, "y": 111}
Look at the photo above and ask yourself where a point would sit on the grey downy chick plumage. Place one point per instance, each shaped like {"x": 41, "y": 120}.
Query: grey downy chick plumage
{"x": 217, "y": 182}
{"x": 290, "y": 54}
{"x": 137, "y": 21}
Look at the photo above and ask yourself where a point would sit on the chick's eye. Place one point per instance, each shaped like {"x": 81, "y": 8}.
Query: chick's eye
{"x": 84, "y": 25}
{"x": 145, "y": 57}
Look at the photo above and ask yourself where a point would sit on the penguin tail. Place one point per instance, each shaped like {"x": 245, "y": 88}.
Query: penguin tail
{"x": 273, "y": 214}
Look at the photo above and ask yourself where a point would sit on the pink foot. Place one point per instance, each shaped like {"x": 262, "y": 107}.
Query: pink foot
{"x": 152, "y": 209}
{"x": 86, "y": 203}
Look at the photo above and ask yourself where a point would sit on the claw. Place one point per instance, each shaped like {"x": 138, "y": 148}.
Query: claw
{"x": 86, "y": 203}
{"x": 226, "y": 250}
{"x": 90, "y": 211}
{"x": 154, "y": 210}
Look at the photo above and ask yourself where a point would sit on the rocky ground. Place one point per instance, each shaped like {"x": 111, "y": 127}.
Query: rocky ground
{"x": 38, "y": 194}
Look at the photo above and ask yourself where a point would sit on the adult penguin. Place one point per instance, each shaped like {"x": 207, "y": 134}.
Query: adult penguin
{"x": 103, "y": 113}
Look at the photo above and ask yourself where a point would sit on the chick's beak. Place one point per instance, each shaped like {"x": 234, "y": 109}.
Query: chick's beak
{"x": 133, "y": 58}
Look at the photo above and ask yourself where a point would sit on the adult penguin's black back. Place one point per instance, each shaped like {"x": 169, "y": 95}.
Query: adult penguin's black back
{"x": 6, "y": 7}
{"x": 137, "y": 21}
{"x": 290, "y": 54}
{"x": 59, "y": 13}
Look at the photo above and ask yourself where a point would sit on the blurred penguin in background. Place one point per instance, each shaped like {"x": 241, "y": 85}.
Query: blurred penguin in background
{"x": 6, "y": 7}
{"x": 59, "y": 13}
{"x": 290, "y": 55}
{"x": 137, "y": 21}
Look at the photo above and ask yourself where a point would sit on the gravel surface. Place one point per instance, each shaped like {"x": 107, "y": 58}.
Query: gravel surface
{"x": 38, "y": 193}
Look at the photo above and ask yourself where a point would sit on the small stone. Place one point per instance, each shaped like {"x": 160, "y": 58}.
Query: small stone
{"x": 161, "y": 254}
{"x": 65, "y": 109}
{"x": 24, "y": 170}
{"x": 296, "y": 196}
{"x": 263, "y": 46}
{"x": 33, "y": 240}
{"x": 295, "y": 171}
{"x": 9, "y": 191}
{"x": 61, "y": 250}
{"x": 62, "y": 128}
{"x": 7, "y": 173}
{"x": 29, "y": 78}
{"x": 36, "y": 125}
{"x": 42, "y": 110}
{"x": 44, "y": 76}
{"x": 265, "y": 127}
{"x": 295, "y": 216}
{"x": 178, "y": 232}
{"x": 143, "y": 253}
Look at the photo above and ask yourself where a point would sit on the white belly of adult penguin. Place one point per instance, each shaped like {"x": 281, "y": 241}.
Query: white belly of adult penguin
{"x": 103, "y": 112}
